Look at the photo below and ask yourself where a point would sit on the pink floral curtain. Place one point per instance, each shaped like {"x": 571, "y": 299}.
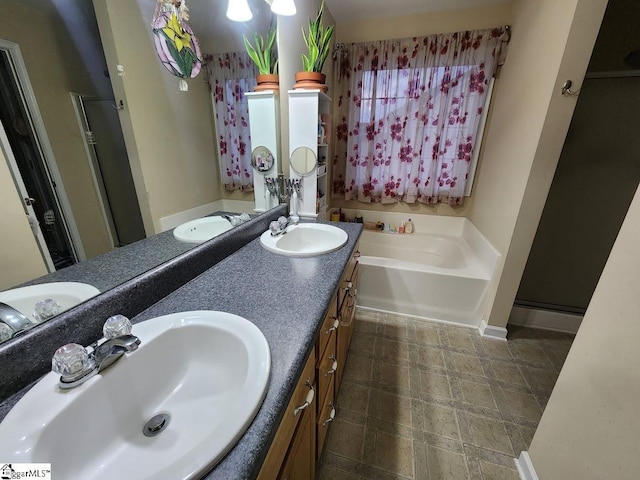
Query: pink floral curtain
{"x": 408, "y": 115}
{"x": 230, "y": 76}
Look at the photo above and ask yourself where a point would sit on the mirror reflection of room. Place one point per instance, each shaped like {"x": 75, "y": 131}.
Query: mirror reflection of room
{"x": 93, "y": 164}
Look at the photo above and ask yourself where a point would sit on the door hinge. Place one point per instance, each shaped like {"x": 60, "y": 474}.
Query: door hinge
{"x": 91, "y": 137}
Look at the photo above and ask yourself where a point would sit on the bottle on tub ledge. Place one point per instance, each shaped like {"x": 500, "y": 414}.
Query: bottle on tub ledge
{"x": 408, "y": 227}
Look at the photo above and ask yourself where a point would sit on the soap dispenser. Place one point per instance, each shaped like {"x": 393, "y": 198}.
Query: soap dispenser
{"x": 408, "y": 228}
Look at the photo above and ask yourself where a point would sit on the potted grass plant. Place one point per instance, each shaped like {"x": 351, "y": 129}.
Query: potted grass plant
{"x": 318, "y": 42}
{"x": 263, "y": 55}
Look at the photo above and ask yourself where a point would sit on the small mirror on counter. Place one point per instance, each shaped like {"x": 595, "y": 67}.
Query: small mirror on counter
{"x": 262, "y": 159}
{"x": 303, "y": 160}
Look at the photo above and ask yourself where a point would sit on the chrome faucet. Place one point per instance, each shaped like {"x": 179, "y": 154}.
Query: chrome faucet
{"x": 279, "y": 227}
{"x": 111, "y": 350}
{"x": 77, "y": 364}
{"x": 12, "y": 318}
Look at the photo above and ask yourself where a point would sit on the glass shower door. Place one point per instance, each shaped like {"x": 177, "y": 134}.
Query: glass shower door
{"x": 26, "y": 149}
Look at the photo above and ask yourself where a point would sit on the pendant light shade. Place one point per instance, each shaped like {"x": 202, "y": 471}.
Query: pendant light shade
{"x": 239, "y": 11}
{"x": 283, "y": 7}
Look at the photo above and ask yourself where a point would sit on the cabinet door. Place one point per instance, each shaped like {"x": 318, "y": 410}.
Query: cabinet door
{"x": 325, "y": 374}
{"x": 300, "y": 463}
{"x": 281, "y": 446}
{"x": 325, "y": 417}
{"x": 328, "y": 329}
{"x": 347, "y": 317}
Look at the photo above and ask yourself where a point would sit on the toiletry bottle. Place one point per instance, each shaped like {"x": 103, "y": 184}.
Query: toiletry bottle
{"x": 408, "y": 228}
{"x": 401, "y": 227}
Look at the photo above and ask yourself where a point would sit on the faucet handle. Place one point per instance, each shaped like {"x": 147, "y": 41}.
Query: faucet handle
{"x": 70, "y": 360}
{"x": 116, "y": 326}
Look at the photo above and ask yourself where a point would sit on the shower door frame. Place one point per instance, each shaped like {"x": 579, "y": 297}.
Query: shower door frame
{"x": 51, "y": 168}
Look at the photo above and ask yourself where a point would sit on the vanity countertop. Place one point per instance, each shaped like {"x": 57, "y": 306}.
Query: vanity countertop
{"x": 120, "y": 264}
{"x": 287, "y": 298}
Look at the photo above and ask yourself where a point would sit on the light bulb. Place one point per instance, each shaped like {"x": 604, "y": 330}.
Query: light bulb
{"x": 283, "y": 7}
{"x": 239, "y": 11}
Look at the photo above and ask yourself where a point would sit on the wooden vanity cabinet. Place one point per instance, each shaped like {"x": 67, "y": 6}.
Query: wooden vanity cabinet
{"x": 300, "y": 437}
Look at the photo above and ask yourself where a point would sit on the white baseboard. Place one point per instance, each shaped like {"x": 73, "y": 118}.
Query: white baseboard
{"x": 417, "y": 317}
{"x": 239, "y": 206}
{"x": 545, "y": 319}
{"x": 489, "y": 331}
{"x": 525, "y": 467}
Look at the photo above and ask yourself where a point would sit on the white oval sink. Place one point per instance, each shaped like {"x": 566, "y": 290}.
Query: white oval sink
{"x": 207, "y": 370}
{"x": 201, "y": 229}
{"x": 67, "y": 294}
{"x": 305, "y": 240}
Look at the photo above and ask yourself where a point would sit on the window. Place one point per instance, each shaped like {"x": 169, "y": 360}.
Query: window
{"x": 409, "y": 116}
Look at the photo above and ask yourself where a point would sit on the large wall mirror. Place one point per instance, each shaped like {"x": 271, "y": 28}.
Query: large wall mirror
{"x": 130, "y": 150}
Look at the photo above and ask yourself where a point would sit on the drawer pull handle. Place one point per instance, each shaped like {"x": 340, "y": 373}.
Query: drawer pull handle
{"x": 336, "y": 324}
{"x": 332, "y": 415}
{"x": 308, "y": 401}
{"x": 351, "y": 315}
{"x": 334, "y": 367}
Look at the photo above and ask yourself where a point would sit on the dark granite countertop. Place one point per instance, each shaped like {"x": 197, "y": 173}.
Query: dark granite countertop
{"x": 123, "y": 263}
{"x": 287, "y": 299}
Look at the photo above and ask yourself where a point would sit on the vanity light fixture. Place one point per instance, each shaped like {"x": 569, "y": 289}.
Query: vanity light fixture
{"x": 239, "y": 11}
{"x": 283, "y": 7}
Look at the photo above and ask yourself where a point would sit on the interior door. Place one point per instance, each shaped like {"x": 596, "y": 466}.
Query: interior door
{"x": 31, "y": 176}
{"x": 113, "y": 162}
{"x": 27, "y": 202}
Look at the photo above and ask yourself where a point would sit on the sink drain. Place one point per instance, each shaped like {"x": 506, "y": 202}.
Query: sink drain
{"x": 156, "y": 425}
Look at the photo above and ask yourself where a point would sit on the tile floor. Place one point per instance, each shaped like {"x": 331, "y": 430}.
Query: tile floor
{"x": 429, "y": 401}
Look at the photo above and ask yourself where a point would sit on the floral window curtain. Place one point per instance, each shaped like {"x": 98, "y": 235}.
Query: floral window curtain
{"x": 230, "y": 76}
{"x": 408, "y": 115}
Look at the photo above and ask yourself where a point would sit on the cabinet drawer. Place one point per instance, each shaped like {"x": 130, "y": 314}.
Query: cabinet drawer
{"x": 325, "y": 418}
{"x": 305, "y": 390}
{"x": 326, "y": 370}
{"x": 329, "y": 326}
{"x": 349, "y": 281}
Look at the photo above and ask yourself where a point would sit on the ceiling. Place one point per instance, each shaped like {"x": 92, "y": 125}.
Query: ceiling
{"x": 349, "y": 10}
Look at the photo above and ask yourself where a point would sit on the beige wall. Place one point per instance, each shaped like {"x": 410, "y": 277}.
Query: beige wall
{"x": 420, "y": 25}
{"x": 424, "y": 24}
{"x": 20, "y": 259}
{"x": 551, "y": 42}
{"x": 589, "y": 429}
{"x": 168, "y": 133}
{"x": 55, "y": 70}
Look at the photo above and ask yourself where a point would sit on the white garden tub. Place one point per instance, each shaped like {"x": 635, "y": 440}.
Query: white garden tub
{"x": 440, "y": 272}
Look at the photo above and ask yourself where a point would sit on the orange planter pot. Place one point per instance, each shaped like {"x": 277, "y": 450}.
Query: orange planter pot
{"x": 311, "y": 81}
{"x": 267, "y": 82}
